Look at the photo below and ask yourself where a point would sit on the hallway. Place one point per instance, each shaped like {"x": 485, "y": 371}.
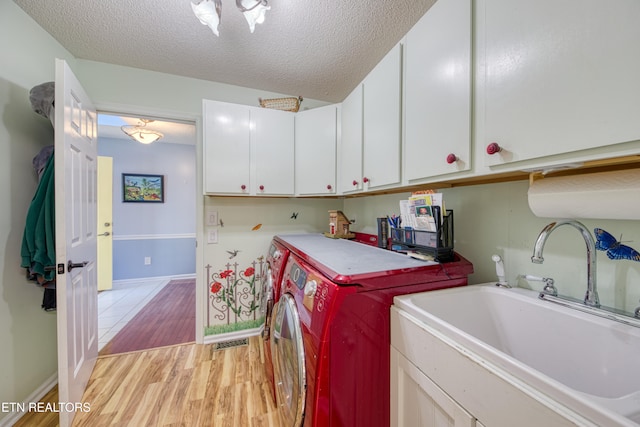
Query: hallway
{"x": 119, "y": 305}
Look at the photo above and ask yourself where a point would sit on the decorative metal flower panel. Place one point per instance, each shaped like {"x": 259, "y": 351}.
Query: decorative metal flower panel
{"x": 234, "y": 297}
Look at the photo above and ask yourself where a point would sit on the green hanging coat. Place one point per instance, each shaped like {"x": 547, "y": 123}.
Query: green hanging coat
{"x": 39, "y": 238}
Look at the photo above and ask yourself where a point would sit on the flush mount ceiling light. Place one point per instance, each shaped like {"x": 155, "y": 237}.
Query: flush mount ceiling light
{"x": 210, "y": 11}
{"x": 141, "y": 133}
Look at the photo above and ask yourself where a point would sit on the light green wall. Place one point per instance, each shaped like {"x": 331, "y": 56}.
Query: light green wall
{"x": 117, "y": 86}
{"x": 27, "y": 333}
{"x": 496, "y": 219}
{"x": 239, "y": 216}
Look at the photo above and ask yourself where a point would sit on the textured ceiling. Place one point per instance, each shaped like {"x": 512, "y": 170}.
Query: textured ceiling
{"x": 316, "y": 49}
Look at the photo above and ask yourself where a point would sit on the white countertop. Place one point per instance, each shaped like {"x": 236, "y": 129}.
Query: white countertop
{"x": 349, "y": 258}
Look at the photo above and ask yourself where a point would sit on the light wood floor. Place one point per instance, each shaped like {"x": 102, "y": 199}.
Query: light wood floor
{"x": 184, "y": 385}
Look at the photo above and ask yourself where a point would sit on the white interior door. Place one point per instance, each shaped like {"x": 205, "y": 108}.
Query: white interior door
{"x": 76, "y": 200}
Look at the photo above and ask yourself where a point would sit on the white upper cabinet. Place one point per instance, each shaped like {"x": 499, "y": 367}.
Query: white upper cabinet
{"x": 437, "y": 92}
{"x": 558, "y": 77}
{"x": 351, "y": 143}
{"x": 382, "y": 121}
{"x": 247, "y": 150}
{"x": 316, "y": 133}
{"x": 273, "y": 134}
{"x": 227, "y": 147}
{"x": 370, "y": 155}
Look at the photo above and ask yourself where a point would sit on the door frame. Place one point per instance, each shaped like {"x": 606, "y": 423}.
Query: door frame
{"x": 160, "y": 114}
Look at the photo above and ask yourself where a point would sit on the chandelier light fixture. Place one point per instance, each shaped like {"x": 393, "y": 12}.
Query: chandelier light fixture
{"x": 141, "y": 133}
{"x": 210, "y": 11}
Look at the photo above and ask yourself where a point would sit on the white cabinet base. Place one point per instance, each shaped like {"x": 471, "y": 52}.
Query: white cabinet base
{"x": 418, "y": 401}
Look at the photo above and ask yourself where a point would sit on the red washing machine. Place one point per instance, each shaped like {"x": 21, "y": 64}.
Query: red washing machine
{"x": 331, "y": 329}
{"x": 271, "y": 281}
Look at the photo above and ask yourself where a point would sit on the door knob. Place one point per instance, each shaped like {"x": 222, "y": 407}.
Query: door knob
{"x": 71, "y": 265}
{"x": 106, "y": 233}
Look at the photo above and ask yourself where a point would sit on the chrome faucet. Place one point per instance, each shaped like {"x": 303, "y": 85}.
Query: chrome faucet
{"x": 591, "y": 298}
{"x": 549, "y": 286}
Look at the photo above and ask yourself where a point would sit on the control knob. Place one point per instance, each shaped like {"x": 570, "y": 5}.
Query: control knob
{"x": 310, "y": 288}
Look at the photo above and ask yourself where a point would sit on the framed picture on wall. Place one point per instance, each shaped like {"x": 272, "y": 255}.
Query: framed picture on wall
{"x": 142, "y": 188}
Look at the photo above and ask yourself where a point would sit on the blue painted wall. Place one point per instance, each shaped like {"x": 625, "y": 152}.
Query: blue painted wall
{"x": 164, "y": 232}
{"x": 169, "y": 257}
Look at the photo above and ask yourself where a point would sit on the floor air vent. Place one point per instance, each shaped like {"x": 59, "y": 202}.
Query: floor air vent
{"x": 229, "y": 344}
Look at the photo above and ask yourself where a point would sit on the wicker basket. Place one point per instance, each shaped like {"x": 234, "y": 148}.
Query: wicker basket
{"x": 285, "y": 104}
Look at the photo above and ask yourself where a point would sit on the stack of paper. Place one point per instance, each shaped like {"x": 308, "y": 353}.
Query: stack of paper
{"x": 423, "y": 210}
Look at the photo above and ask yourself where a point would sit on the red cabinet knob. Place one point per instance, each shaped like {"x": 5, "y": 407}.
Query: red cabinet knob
{"x": 451, "y": 158}
{"x": 329, "y": 187}
{"x": 355, "y": 182}
{"x": 365, "y": 179}
{"x": 493, "y": 148}
{"x": 261, "y": 188}
{"x": 243, "y": 187}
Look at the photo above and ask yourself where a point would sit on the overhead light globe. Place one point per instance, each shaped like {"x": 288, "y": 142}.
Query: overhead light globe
{"x": 254, "y": 11}
{"x": 209, "y": 12}
{"x": 141, "y": 133}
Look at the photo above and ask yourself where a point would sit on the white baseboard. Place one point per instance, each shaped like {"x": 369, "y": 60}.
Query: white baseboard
{"x": 146, "y": 279}
{"x": 38, "y": 394}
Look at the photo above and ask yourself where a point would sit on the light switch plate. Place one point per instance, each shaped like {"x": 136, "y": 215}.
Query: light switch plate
{"x": 212, "y": 236}
{"x": 211, "y": 217}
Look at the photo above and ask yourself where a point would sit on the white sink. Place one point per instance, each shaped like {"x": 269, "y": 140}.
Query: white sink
{"x": 575, "y": 357}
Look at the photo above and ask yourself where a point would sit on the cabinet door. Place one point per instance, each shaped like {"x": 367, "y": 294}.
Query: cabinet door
{"x": 418, "y": 401}
{"x": 272, "y": 134}
{"x": 315, "y": 153}
{"x": 438, "y": 92}
{"x": 559, "y": 76}
{"x": 382, "y": 122}
{"x": 227, "y": 141}
{"x": 351, "y": 143}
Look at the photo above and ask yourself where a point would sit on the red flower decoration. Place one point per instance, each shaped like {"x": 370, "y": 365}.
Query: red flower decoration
{"x": 249, "y": 272}
{"x": 215, "y": 287}
{"x": 226, "y": 274}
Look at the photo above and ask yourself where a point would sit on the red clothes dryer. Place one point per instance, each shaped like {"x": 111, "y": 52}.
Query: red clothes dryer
{"x": 331, "y": 330}
{"x": 275, "y": 262}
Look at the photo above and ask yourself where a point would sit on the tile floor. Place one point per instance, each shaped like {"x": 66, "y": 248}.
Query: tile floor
{"x": 119, "y": 305}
